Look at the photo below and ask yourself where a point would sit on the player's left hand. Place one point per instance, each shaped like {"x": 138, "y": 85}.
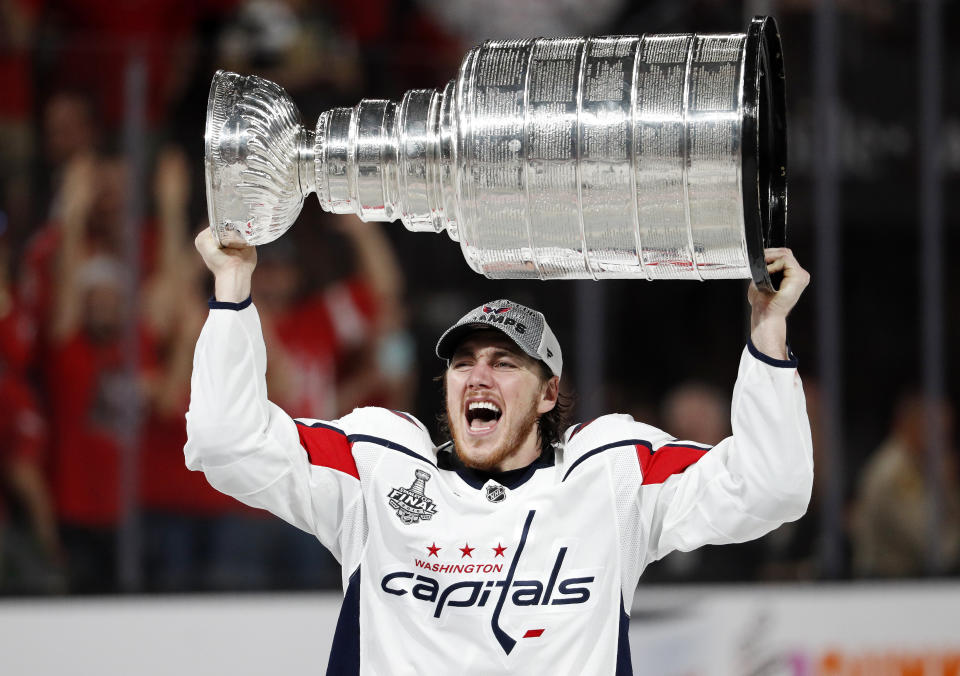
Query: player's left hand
{"x": 779, "y": 303}
{"x": 768, "y": 320}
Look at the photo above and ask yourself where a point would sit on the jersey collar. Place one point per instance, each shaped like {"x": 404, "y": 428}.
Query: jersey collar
{"x": 448, "y": 459}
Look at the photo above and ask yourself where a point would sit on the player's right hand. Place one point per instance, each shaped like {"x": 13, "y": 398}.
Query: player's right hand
{"x": 232, "y": 267}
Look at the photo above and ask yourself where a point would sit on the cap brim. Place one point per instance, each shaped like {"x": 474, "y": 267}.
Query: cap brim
{"x": 455, "y": 334}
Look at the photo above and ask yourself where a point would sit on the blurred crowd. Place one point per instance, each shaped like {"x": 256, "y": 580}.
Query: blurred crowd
{"x": 102, "y": 298}
{"x": 98, "y": 330}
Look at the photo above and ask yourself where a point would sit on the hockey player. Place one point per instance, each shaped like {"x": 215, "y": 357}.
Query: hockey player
{"x": 506, "y": 550}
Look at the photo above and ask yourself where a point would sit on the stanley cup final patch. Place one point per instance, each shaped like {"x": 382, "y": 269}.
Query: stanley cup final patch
{"x": 411, "y": 504}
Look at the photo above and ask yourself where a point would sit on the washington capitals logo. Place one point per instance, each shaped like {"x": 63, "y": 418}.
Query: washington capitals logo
{"x": 560, "y": 587}
{"x": 411, "y": 504}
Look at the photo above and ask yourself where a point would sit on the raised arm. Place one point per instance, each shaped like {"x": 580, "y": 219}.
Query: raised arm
{"x": 248, "y": 447}
{"x": 762, "y": 475}
{"x": 79, "y": 193}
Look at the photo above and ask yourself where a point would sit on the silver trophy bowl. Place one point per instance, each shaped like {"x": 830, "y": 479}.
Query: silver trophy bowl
{"x": 654, "y": 157}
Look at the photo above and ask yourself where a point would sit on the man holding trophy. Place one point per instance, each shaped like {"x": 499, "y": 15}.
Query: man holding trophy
{"x": 516, "y": 546}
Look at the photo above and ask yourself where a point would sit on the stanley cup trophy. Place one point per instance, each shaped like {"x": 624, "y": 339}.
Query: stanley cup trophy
{"x": 654, "y": 156}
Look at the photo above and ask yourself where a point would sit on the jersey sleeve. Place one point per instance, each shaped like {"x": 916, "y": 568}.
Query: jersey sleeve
{"x": 751, "y": 482}
{"x": 302, "y": 471}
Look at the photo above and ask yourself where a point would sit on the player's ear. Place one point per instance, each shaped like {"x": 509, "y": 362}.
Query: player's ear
{"x": 549, "y": 394}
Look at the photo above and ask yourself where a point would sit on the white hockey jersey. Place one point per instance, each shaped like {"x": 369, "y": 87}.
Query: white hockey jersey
{"x": 448, "y": 570}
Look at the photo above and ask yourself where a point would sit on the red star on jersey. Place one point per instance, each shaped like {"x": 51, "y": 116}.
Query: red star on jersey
{"x": 433, "y": 549}
{"x": 467, "y": 549}
{"x": 499, "y": 550}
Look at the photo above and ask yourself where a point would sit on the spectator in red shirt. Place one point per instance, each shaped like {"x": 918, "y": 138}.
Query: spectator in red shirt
{"x": 91, "y": 380}
{"x": 181, "y": 512}
{"x": 32, "y": 565}
{"x": 23, "y": 435}
{"x": 90, "y": 386}
{"x": 88, "y": 222}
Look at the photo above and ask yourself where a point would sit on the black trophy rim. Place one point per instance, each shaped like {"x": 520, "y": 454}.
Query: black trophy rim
{"x": 764, "y": 146}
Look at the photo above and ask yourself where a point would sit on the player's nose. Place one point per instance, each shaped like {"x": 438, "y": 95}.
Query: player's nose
{"x": 481, "y": 375}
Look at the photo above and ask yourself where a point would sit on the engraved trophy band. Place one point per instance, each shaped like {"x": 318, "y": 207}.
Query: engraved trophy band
{"x": 653, "y": 157}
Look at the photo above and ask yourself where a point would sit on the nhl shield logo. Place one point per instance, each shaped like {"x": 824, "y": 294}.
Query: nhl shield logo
{"x": 411, "y": 504}
{"x": 496, "y": 493}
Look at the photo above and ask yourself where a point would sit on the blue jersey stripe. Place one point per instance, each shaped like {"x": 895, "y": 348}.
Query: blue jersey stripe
{"x": 320, "y": 425}
{"x": 624, "y": 659}
{"x": 215, "y": 304}
{"x": 386, "y": 443}
{"x": 345, "y": 652}
{"x": 601, "y": 449}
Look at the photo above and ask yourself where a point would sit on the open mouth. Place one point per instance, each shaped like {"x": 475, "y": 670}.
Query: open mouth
{"x": 482, "y": 416}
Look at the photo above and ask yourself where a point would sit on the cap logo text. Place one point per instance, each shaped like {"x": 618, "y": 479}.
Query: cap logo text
{"x": 519, "y": 327}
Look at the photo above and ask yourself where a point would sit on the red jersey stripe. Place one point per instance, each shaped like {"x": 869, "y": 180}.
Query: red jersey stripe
{"x": 668, "y": 460}
{"x": 405, "y": 416}
{"x": 328, "y": 447}
{"x": 576, "y": 430}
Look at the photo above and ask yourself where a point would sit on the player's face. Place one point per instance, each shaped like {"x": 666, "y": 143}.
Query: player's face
{"x": 495, "y": 394}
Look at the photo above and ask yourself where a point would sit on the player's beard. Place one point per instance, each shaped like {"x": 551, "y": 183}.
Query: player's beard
{"x": 512, "y": 439}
